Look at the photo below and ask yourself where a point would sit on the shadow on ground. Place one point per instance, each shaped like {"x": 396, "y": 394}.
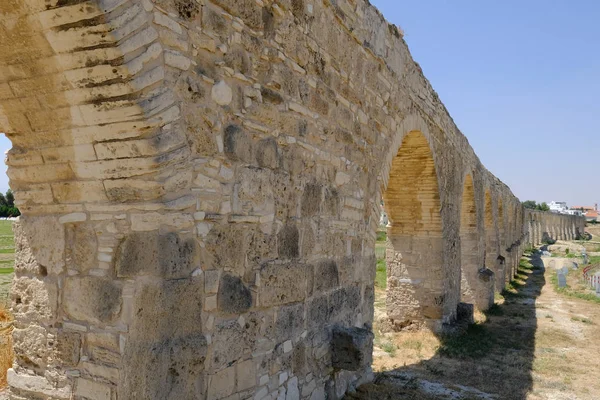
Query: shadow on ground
{"x": 487, "y": 360}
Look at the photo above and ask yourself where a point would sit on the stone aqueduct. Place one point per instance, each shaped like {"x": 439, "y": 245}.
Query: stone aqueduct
{"x": 201, "y": 183}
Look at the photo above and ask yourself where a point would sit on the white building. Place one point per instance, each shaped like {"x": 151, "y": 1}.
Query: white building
{"x": 579, "y": 213}
{"x": 558, "y": 206}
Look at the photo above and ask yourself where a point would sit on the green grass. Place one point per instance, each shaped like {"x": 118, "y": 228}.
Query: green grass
{"x": 389, "y": 348}
{"x": 476, "y": 342}
{"x": 7, "y": 246}
{"x": 381, "y": 236}
{"x": 595, "y": 260}
{"x": 381, "y": 275}
{"x": 7, "y": 241}
{"x": 6, "y": 228}
{"x": 569, "y": 291}
{"x": 584, "y": 320}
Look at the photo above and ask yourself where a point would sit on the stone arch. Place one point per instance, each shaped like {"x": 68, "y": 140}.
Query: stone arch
{"x": 415, "y": 291}
{"x": 502, "y": 239}
{"x": 511, "y": 242}
{"x": 468, "y": 241}
{"x": 491, "y": 236}
{"x": 477, "y": 283}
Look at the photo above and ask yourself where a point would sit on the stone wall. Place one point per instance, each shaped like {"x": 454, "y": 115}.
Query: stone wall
{"x": 201, "y": 185}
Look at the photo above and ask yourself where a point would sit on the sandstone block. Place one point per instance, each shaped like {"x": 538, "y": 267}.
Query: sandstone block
{"x": 222, "y": 384}
{"x": 290, "y": 321}
{"x": 45, "y": 239}
{"x": 282, "y": 283}
{"x": 34, "y": 299}
{"x": 96, "y": 300}
{"x": 68, "y": 347}
{"x": 92, "y": 390}
{"x": 81, "y": 248}
{"x": 166, "y": 337}
{"x": 351, "y": 348}
{"x": 231, "y": 341}
{"x": 237, "y": 145}
{"x": 37, "y": 384}
{"x": 234, "y": 297}
{"x": 166, "y": 255}
{"x": 288, "y": 242}
{"x": 246, "y": 375}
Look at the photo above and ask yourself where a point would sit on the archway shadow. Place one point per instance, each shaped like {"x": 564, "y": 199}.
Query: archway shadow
{"x": 493, "y": 358}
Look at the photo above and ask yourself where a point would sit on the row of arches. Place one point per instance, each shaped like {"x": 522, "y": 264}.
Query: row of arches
{"x": 447, "y": 246}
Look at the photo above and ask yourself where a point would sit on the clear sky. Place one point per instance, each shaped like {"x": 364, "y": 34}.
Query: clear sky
{"x": 521, "y": 78}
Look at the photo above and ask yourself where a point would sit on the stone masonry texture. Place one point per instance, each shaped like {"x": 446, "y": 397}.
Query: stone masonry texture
{"x": 201, "y": 183}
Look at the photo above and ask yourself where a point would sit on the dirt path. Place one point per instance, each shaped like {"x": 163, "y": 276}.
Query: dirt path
{"x": 534, "y": 344}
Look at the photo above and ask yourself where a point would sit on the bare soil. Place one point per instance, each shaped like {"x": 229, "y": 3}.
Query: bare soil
{"x": 535, "y": 343}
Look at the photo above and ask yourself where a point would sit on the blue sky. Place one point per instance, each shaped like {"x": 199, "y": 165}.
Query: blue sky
{"x": 520, "y": 78}
{"x": 522, "y": 81}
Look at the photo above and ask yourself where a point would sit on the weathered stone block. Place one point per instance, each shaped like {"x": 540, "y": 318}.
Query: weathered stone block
{"x": 92, "y": 390}
{"x": 34, "y": 299}
{"x": 318, "y": 311}
{"x": 166, "y": 337}
{"x": 81, "y": 247}
{"x": 288, "y": 242}
{"x": 30, "y": 346}
{"x": 311, "y": 199}
{"x": 267, "y": 154}
{"x": 92, "y": 299}
{"x": 290, "y": 321}
{"x": 233, "y": 296}
{"x": 67, "y": 348}
{"x": 232, "y": 341}
{"x": 238, "y": 146}
{"x": 282, "y": 284}
{"x": 326, "y": 276}
{"x": 33, "y": 233}
{"x": 149, "y": 253}
{"x": 254, "y": 191}
{"x": 351, "y": 348}
{"x": 246, "y": 375}
{"x": 221, "y": 384}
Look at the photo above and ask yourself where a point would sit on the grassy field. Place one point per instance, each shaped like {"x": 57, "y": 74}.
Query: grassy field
{"x": 7, "y": 261}
{"x": 7, "y": 258}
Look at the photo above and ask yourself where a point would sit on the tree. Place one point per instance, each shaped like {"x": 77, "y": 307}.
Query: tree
{"x": 7, "y": 205}
{"x": 543, "y": 207}
{"x": 10, "y": 198}
{"x": 530, "y": 204}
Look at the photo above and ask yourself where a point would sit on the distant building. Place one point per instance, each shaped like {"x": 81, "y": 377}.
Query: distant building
{"x": 586, "y": 208}
{"x": 592, "y": 216}
{"x": 558, "y": 206}
{"x": 573, "y": 211}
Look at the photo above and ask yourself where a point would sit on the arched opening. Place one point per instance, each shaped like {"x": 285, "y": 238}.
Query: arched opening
{"x": 491, "y": 239}
{"x": 415, "y": 289}
{"x": 477, "y": 283}
{"x": 510, "y": 239}
{"x": 468, "y": 243}
{"x": 501, "y": 259}
{"x": 491, "y": 242}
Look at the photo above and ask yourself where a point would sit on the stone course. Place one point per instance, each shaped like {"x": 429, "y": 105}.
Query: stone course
{"x": 201, "y": 183}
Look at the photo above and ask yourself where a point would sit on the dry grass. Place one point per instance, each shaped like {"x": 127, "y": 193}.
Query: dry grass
{"x": 535, "y": 343}
{"x": 6, "y": 348}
